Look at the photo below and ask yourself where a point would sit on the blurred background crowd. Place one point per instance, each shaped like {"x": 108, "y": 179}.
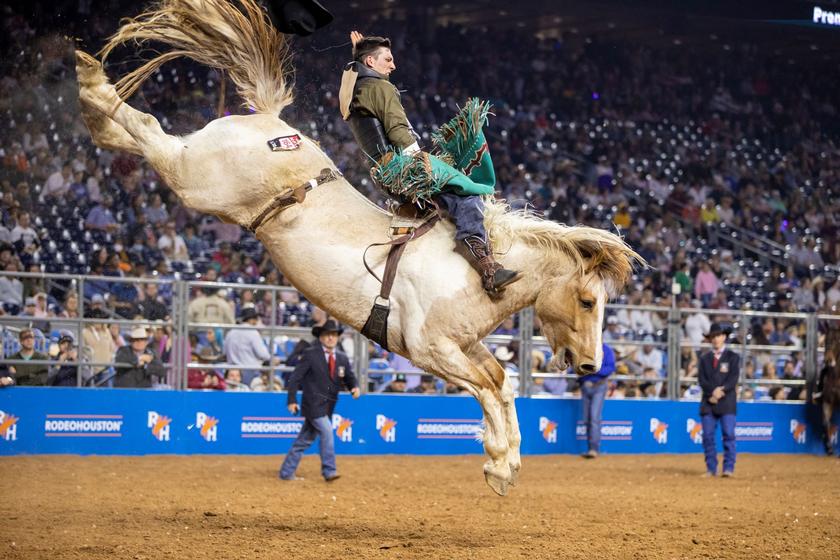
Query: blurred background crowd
{"x": 719, "y": 165}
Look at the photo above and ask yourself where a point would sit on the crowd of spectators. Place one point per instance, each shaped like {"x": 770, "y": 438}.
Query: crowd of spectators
{"x": 678, "y": 149}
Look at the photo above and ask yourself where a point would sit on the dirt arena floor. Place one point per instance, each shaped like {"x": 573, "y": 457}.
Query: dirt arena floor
{"x": 220, "y": 507}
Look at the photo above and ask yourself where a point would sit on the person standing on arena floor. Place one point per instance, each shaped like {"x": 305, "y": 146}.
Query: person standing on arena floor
{"x": 371, "y": 105}
{"x": 321, "y": 371}
{"x": 593, "y": 390}
{"x": 718, "y": 378}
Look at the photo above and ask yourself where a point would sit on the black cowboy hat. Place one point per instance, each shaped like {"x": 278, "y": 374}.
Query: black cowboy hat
{"x": 298, "y": 17}
{"x": 329, "y": 326}
{"x": 248, "y": 313}
{"x": 718, "y": 328}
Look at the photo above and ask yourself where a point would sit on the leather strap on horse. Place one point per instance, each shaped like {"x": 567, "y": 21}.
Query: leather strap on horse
{"x": 376, "y": 326}
{"x": 297, "y": 195}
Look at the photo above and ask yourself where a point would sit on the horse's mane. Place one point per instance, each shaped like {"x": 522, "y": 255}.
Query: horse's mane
{"x": 216, "y": 33}
{"x": 590, "y": 249}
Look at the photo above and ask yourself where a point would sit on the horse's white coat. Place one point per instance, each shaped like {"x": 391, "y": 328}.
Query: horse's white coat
{"x": 439, "y": 312}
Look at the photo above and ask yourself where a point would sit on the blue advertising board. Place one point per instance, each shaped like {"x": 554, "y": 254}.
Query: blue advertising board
{"x": 138, "y": 422}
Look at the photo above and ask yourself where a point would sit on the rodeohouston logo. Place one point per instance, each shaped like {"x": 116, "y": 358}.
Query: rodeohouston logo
{"x": 659, "y": 430}
{"x": 449, "y": 428}
{"x": 387, "y": 428}
{"x": 271, "y": 427}
{"x": 799, "y": 430}
{"x": 159, "y": 425}
{"x": 343, "y": 428}
{"x": 8, "y": 426}
{"x": 694, "y": 430}
{"x": 548, "y": 428}
{"x": 613, "y": 430}
{"x": 207, "y": 425}
{"x": 83, "y": 425}
{"x": 754, "y": 431}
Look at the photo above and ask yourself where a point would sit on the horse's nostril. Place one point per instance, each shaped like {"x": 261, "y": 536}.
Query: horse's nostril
{"x": 587, "y": 368}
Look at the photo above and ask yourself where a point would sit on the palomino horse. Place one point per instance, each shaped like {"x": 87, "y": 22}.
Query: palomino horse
{"x": 439, "y": 311}
{"x": 830, "y": 374}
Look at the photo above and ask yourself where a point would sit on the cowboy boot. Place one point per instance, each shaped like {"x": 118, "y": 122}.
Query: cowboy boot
{"x": 494, "y": 277}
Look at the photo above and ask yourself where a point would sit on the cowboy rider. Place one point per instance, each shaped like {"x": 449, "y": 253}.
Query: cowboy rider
{"x": 371, "y": 105}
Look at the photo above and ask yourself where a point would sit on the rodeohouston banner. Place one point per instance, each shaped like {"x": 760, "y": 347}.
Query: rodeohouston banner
{"x": 136, "y": 422}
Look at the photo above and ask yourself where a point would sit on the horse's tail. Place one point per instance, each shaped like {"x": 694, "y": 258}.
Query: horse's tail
{"x": 217, "y": 33}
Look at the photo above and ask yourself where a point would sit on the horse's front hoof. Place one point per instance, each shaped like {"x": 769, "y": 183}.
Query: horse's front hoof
{"x": 497, "y": 483}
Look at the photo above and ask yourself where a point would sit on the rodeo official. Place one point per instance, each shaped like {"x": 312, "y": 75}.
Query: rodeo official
{"x": 321, "y": 371}
{"x": 718, "y": 377}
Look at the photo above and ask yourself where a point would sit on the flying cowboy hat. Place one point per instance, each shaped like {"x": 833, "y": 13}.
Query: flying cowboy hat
{"x": 328, "y": 327}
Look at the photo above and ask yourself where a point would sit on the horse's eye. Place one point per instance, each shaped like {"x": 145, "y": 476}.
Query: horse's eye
{"x": 587, "y": 304}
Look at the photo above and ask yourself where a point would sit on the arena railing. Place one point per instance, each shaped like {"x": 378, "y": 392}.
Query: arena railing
{"x": 76, "y": 283}
{"x": 669, "y": 338}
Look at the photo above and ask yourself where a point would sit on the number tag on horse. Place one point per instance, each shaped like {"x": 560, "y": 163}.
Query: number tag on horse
{"x": 284, "y": 143}
{"x": 724, "y": 368}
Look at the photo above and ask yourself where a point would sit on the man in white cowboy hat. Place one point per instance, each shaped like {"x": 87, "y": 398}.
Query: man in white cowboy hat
{"x": 321, "y": 372}
{"x": 245, "y": 347}
{"x": 718, "y": 377}
{"x": 143, "y": 362}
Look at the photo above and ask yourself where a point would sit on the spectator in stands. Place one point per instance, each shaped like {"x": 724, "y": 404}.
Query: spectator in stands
{"x": 30, "y": 309}
{"x": 23, "y": 235}
{"x": 98, "y": 346}
{"x": 26, "y": 374}
{"x": 143, "y": 366}
{"x": 116, "y": 335}
{"x": 648, "y": 356}
{"x": 697, "y": 324}
{"x": 172, "y": 245}
{"x": 101, "y": 218}
{"x": 507, "y": 358}
{"x": 210, "y": 307}
{"x": 411, "y": 372}
{"x": 156, "y": 211}
{"x": 803, "y": 296}
{"x": 11, "y": 289}
{"x": 196, "y": 246}
{"x": 613, "y": 330}
{"x": 593, "y": 390}
{"x": 58, "y": 183}
{"x": 212, "y": 342}
{"x": 245, "y": 347}
{"x": 233, "y": 381}
{"x": 718, "y": 376}
{"x": 205, "y": 377}
{"x": 706, "y": 284}
{"x": 322, "y": 370}
{"x": 150, "y": 305}
{"x": 64, "y": 374}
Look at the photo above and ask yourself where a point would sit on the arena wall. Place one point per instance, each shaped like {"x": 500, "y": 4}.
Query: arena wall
{"x": 136, "y": 422}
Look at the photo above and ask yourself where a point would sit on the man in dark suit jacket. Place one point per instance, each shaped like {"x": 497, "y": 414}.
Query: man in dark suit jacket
{"x": 718, "y": 376}
{"x": 144, "y": 362}
{"x": 321, "y": 371}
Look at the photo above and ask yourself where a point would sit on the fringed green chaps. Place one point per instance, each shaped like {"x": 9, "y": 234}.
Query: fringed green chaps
{"x": 461, "y": 165}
